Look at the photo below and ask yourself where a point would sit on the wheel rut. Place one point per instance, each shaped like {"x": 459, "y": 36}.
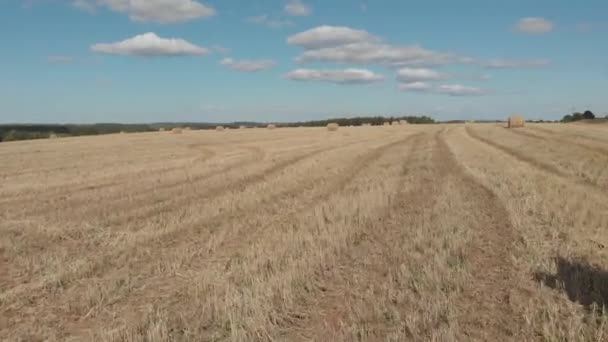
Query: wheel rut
{"x": 486, "y": 307}
{"x": 484, "y": 310}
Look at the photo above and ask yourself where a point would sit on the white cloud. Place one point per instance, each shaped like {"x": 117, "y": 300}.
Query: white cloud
{"x": 248, "y": 66}
{"x": 374, "y": 53}
{"x": 329, "y": 36}
{"x": 340, "y": 44}
{"x": 459, "y": 90}
{"x": 410, "y": 75}
{"x": 415, "y": 86}
{"x": 346, "y": 76}
{"x": 516, "y": 64}
{"x": 268, "y": 21}
{"x": 445, "y": 89}
{"x": 534, "y": 25}
{"x": 160, "y": 11}
{"x": 297, "y": 8}
{"x": 60, "y": 59}
{"x": 150, "y": 45}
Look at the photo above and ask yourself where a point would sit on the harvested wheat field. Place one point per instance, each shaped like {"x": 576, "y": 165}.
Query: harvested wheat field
{"x": 431, "y": 232}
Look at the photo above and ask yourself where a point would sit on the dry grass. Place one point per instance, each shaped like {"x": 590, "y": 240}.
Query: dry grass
{"x": 437, "y": 232}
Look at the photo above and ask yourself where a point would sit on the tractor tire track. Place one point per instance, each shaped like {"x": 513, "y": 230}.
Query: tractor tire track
{"x": 57, "y": 192}
{"x": 486, "y": 306}
{"x": 518, "y": 155}
{"x": 323, "y": 312}
{"x": 589, "y": 184}
{"x": 559, "y": 138}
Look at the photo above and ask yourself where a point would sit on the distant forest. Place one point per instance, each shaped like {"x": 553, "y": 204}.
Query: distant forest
{"x": 12, "y": 132}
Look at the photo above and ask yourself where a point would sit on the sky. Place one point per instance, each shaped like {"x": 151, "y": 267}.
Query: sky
{"x": 86, "y": 61}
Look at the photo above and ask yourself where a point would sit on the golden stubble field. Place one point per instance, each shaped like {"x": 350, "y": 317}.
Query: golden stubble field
{"x": 439, "y": 232}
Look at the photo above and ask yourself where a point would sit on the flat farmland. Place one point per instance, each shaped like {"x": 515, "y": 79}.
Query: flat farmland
{"x": 416, "y": 232}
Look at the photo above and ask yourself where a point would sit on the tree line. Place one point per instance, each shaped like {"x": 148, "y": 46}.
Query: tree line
{"x": 12, "y": 132}
{"x": 587, "y": 115}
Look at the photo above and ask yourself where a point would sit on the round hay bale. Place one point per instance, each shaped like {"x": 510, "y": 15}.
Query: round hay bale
{"x": 403, "y": 122}
{"x": 516, "y": 121}
{"x": 332, "y": 126}
{"x": 187, "y": 129}
{"x": 271, "y": 126}
{"x": 387, "y": 123}
{"x": 219, "y": 128}
{"x": 162, "y": 129}
{"x": 367, "y": 124}
{"x": 395, "y": 123}
{"x": 52, "y": 135}
{"x": 176, "y": 130}
{"x": 242, "y": 127}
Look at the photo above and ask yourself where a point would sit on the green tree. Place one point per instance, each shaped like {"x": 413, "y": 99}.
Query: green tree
{"x": 588, "y": 115}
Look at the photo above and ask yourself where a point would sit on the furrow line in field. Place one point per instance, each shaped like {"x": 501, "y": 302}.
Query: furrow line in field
{"x": 561, "y": 139}
{"x": 485, "y": 305}
{"x": 592, "y": 186}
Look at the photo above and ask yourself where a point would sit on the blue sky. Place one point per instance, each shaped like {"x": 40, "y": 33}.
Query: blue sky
{"x": 282, "y": 60}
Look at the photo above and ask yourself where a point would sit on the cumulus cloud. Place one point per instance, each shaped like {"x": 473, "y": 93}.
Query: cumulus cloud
{"x": 248, "y": 65}
{"x": 271, "y": 22}
{"x": 459, "y": 90}
{"x": 150, "y": 45}
{"x": 410, "y": 75}
{"x": 375, "y": 53}
{"x": 60, "y": 59}
{"x": 445, "y": 89}
{"x": 339, "y": 44}
{"x": 329, "y": 36}
{"x": 516, "y": 64}
{"x": 415, "y": 86}
{"x": 346, "y": 76}
{"x": 297, "y": 8}
{"x": 534, "y": 25}
{"x": 160, "y": 11}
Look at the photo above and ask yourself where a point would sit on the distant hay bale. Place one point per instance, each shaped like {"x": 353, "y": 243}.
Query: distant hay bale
{"x": 52, "y": 135}
{"x": 122, "y": 132}
{"x": 187, "y": 128}
{"x": 219, "y": 128}
{"x": 367, "y": 124}
{"x": 403, "y": 122}
{"x": 162, "y": 129}
{"x": 242, "y": 127}
{"x": 176, "y": 130}
{"x": 332, "y": 126}
{"x": 387, "y": 123}
{"x": 395, "y": 123}
{"x": 516, "y": 121}
{"x": 271, "y": 126}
